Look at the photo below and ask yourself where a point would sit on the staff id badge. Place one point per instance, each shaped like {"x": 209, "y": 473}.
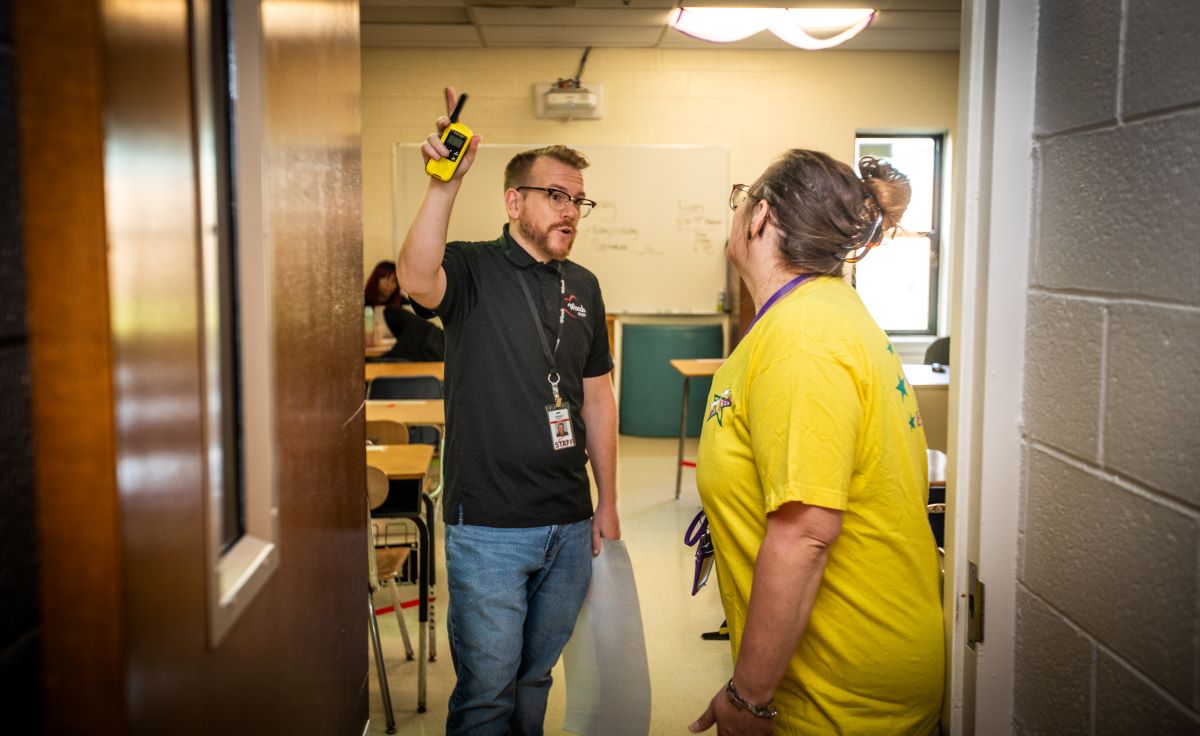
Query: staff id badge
{"x": 562, "y": 434}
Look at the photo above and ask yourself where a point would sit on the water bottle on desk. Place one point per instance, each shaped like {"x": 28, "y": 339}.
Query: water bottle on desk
{"x": 369, "y": 330}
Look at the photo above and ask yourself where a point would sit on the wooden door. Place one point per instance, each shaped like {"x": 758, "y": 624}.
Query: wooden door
{"x": 109, "y": 192}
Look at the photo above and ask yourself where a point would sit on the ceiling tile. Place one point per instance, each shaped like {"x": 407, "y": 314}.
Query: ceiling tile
{"x": 567, "y": 17}
{"x": 413, "y": 35}
{"x": 556, "y": 37}
{"x": 902, "y": 25}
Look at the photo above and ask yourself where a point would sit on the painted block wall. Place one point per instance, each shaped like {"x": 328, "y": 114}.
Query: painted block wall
{"x": 1108, "y": 631}
{"x": 19, "y": 631}
{"x": 759, "y": 103}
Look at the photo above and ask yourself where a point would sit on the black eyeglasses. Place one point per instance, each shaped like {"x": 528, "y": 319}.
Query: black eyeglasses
{"x": 739, "y": 196}
{"x": 559, "y": 199}
{"x": 697, "y": 536}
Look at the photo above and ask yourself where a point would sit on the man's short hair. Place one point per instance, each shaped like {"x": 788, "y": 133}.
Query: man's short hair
{"x": 516, "y": 174}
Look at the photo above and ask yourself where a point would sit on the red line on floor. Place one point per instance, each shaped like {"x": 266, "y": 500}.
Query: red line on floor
{"x": 405, "y": 604}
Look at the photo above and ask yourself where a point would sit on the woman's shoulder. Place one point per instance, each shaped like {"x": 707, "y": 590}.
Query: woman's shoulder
{"x": 826, "y": 321}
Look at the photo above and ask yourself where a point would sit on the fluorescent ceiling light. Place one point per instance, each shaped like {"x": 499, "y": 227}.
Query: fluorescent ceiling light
{"x": 792, "y": 25}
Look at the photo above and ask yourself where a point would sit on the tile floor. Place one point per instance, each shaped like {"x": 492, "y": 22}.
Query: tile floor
{"x": 684, "y": 671}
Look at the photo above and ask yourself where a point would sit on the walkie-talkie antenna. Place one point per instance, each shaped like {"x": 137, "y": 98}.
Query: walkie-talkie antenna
{"x": 462, "y": 99}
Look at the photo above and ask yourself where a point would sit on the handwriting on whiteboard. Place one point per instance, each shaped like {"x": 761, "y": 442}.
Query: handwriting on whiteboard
{"x": 694, "y": 228}
{"x": 692, "y": 219}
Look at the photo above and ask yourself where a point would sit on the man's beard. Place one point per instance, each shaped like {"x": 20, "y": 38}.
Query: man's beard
{"x": 539, "y": 240}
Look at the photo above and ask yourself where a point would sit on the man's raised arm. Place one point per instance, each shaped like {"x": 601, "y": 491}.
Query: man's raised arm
{"x": 419, "y": 264}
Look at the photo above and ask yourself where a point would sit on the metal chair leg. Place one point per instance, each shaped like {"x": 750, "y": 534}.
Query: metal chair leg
{"x": 384, "y": 692}
{"x": 424, "y": 553}
{"x": 433, "y": 630}
{"x": 408, "y": 650}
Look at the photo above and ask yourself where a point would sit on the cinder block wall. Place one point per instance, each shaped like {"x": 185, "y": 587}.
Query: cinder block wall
{"x": 1108, "y": 611}
{"x": 19, "y": 655}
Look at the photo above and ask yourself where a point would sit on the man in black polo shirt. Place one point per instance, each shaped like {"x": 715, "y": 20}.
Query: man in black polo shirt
{"x": 529, "y": 402}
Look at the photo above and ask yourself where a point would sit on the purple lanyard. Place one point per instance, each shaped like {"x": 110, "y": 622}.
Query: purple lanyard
{"x": 781, "y": 293}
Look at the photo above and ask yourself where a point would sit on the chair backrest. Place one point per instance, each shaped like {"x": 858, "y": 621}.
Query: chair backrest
{"x": 387, "y": 432}
{"x": 938, "y": 352}
{"x": 377, "y": 490}
{"x": 377, "y": 487}
{"x": 405, "y": 387}
{"x": 409, "y": 387}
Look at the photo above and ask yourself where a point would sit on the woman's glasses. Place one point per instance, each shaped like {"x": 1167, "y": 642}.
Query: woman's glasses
{"x": 559, "y": 199}
{"x": 697, "y": 536}
{"x": 739, "y": 196}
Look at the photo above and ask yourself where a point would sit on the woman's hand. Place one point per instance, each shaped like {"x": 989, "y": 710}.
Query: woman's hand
{"x": 731, "y": 720}
{"x": 787, "y": 575}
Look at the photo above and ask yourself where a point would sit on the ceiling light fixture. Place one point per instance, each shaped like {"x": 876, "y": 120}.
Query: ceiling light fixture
{"x": 792, "y": 25}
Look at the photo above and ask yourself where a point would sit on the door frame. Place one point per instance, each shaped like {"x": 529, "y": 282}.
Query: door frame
{"x": 994, "y": 193}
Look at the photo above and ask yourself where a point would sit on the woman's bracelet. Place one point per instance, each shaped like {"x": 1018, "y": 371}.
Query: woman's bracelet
{"x": 761, "y": 711}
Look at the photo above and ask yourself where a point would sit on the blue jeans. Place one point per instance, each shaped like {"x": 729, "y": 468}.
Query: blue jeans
{"x": 514, "y": 598}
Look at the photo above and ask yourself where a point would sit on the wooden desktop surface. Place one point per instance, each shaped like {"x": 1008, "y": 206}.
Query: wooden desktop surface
{"x": 401, "y": 462}
{"x": 408, "y": 411}
{"x": 689, "y": 367}
{"x": 375, "y": 370}
{"x": 924, "y": 375}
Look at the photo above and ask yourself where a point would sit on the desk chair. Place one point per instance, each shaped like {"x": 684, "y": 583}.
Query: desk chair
{"x": 384, "y": 565}
{"x": 386, "y": 432}
{"x": 938, "y": 352}
{"x": 409, "y": 387}
{"x": 405, "y": 502}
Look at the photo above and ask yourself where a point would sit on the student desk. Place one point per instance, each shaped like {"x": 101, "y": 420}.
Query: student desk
{"x": 375, "y": 370}
{"x": 401, "y": 462}
{"x": 688, "y": 368}
{"x": 411, "y": 462}
{"x": 408, "y": 411}
{"x": 932, "y": 390}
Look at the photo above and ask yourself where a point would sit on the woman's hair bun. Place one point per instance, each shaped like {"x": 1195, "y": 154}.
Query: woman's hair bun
{"x": 887, "y": 186}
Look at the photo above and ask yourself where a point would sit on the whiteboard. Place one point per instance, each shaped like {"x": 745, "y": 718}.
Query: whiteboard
{"x": 656, "y": 239}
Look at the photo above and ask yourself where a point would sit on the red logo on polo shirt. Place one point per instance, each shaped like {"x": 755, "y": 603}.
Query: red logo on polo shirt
{"x": 574, "y": 308}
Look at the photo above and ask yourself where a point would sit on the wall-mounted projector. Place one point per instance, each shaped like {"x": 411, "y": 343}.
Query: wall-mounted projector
{"x": 572, "y": 103}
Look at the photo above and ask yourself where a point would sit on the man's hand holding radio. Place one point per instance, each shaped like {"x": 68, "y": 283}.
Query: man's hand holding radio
{"x": 419, "y": 263}
{"x": 435, "y": 146}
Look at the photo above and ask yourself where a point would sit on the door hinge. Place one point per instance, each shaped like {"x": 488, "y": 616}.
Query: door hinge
{"x": 974, "y": 606}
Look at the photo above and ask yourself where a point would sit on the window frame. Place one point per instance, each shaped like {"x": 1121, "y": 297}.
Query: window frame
{"x": 234, "y": 310}
{"x": 936, "y": 218}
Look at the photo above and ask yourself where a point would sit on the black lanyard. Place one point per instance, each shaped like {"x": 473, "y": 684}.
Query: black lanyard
{"x": 552, "y": 377}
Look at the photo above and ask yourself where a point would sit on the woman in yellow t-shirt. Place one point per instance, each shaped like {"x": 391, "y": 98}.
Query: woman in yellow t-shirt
{"x": 812, "y": 470}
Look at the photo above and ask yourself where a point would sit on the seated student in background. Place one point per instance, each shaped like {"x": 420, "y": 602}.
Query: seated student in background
{"x": 382, "y": 289}
{"x": 416, "y": 339}
{"x": 812, "y": 470}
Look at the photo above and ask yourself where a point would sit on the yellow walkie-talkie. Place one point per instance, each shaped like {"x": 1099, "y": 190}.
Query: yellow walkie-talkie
{"x": 456, "y": 137}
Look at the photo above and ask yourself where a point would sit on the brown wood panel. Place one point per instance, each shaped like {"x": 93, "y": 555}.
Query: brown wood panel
{"x": 57, "y": 45}
{"x": 151, "y": 204}
{"x": 296, "y": 660}
{"x": 315, "y": 180}
{"x": 108, "y": 181}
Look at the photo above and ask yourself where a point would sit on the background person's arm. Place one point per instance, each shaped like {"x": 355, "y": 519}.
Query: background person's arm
{"x": 787, "y": 576}
{"x": 600, "y": 415}
{"x": 419, "y": 264}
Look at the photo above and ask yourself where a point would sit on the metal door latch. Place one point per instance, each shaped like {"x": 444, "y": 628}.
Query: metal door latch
{"x": 974, "y": 606}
